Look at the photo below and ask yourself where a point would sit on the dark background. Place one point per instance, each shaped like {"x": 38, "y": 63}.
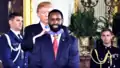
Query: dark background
{"x": 4, "y": 16}
{"x": 16, "y": 6}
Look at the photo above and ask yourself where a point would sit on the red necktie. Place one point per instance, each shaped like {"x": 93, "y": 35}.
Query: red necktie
{"x": 55, "y": 45}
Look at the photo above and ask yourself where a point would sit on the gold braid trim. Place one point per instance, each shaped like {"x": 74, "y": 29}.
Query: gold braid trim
{"x": 100, "y": 62}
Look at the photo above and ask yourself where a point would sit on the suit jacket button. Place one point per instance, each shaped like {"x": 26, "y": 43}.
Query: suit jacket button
{"x": 63, "y": 40}
{"x": 114, "y": 66}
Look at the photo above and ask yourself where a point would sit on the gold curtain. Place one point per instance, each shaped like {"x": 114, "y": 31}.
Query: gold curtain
{"x": 27, "y": 12}
{"x": 76, "y": 5}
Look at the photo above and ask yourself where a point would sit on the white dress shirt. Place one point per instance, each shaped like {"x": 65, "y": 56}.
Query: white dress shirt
{"x": 42, "y": 25}
{"x": 58, "y": 39}
{"x": 16, "y": 32}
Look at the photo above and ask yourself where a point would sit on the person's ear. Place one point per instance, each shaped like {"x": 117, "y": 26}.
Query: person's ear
{"x": 10, "y": 22}
{"x": 62, "y": 22}
{"x": 38, "y": 14}
{"x": 113, "y": 36}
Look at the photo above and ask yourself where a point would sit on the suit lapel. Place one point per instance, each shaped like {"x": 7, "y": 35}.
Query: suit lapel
{"x": 61, "y": 48}
{"x": 40, "y": 26}
{"x": 49, "y": 47}
{"x": 62, "y": 45}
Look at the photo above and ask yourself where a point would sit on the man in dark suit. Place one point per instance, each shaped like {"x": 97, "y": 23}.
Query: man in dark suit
{"x": 31, "y": 31}
{"x": 56, "y": 48}
{"x": 11, "y": 53}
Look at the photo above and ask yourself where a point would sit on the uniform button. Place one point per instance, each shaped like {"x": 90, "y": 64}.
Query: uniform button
{"x": 108, "y": 66}
{"x": 114, "y": 66}
{"x": 63, "y": 39}
{"x": 0, "y": 61}
{"x": 108, "y": 62}
{"x": 25, "y": 64}
{"x": 18, "y": 67}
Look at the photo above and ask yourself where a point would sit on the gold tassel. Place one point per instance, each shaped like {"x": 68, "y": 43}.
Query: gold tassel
{"x": 100, "y": 62}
